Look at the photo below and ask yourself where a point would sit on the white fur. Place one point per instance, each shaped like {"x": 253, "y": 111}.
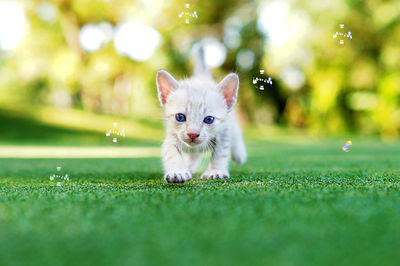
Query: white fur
{"x": 197, "y": 98}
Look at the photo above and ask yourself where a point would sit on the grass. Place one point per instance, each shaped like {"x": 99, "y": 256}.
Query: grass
{"x": 291, "y": 204}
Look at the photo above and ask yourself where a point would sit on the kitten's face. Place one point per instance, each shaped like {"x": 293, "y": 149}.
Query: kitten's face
{"x": 195, "y": 116}
{"x": 196, "y": 109}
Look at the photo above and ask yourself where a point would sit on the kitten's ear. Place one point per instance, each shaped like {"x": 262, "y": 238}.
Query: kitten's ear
{"x": 165, "y": 84}
{"x": 229, "y": 87}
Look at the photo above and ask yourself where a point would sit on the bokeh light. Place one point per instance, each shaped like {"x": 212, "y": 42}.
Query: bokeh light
{"x": 272, "y": 22}
{"x": 215, "y": 52}
{"x": 47, "y": 11}
{"x": 12, "y": 24}
{"x": 136, "y": 40}
{"x": 245, "y": 59}
{"x": 293, "y": 77}
{"x": 92, "y": 37}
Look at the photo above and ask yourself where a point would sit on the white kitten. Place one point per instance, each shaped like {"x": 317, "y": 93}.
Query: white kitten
{"x": 199, "y": 116}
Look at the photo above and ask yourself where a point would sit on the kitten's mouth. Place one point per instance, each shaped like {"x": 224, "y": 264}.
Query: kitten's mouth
{"x": 192, "y": 142}
{"x": 189, "y": 142}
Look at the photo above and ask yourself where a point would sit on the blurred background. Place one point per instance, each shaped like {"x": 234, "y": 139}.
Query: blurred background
{"x": 69, "y": 69}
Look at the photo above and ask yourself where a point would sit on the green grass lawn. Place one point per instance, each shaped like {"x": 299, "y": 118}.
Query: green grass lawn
{"x": 290, "y": 204}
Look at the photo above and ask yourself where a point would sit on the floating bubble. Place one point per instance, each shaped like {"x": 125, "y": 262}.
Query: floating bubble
{"x": 59, "y": 176}
{"x": 188, "y": 15}
{"x": 114, "y": 133}
{"x": 346, "y": 147}
{"x": 261, "y": 81}
{"x": 342, "y": 34}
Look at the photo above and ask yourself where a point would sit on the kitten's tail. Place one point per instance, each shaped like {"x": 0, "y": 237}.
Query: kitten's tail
{"x": 200, "y": 65}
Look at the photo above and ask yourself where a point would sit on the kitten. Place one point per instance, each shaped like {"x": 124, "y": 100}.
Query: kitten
{"x": 199, "y": 116}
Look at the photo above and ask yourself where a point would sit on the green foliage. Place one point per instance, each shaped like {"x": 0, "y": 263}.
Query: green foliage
{"x": 353, "y": 87}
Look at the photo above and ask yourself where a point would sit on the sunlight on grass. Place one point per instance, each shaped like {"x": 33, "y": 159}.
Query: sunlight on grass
{"x": 77, "y": 119}
{"x": 151, "y": 129}
{"x": 77, "y": 152}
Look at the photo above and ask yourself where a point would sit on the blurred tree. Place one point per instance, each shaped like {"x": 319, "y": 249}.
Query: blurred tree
{"x": 318, "y": 83}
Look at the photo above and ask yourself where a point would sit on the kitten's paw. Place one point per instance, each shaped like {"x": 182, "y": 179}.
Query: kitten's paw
{"x": 215, "y": 174}
{"x": 177, "y": 176}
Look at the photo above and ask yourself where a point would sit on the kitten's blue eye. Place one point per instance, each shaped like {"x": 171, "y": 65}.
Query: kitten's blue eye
{"x": 180, "y": 117}
{"x": 209, "y": 120}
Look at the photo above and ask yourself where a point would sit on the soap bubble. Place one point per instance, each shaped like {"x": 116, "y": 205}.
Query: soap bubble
{"x": 115, "y": 133}
{"x": 188, "y": 15}
{"x": 260, "y": 82}
{"x": 342, "y": 34}
{"x": 347, "y": 146}
{"x": 59, "y": 176}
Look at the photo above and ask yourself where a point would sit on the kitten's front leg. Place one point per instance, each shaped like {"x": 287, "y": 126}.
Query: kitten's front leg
{"x": 193, "y": 161}
{"x": 218, "y": 167}
{"x": 174, "y": 166}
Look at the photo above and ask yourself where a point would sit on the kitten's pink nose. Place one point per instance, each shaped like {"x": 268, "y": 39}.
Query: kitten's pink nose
{"x": 193, "y": 135}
